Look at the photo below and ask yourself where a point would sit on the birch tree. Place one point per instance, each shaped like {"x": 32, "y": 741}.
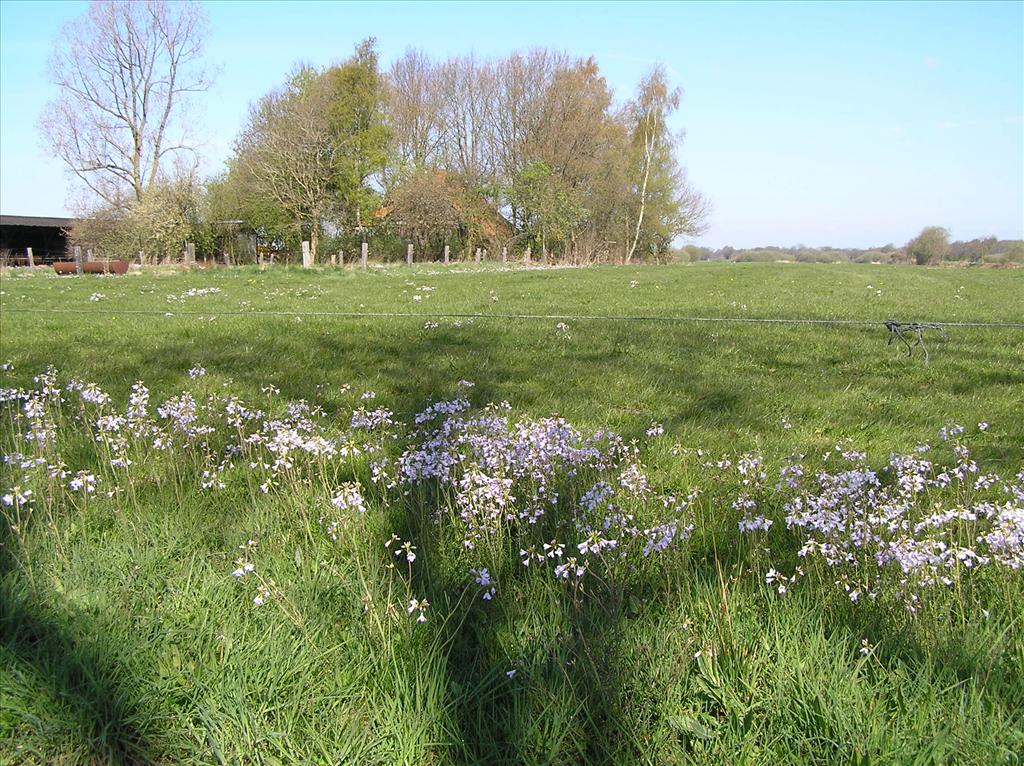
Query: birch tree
{"x": 663, "y": 195}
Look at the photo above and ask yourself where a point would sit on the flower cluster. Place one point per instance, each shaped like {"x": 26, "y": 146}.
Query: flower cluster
{"x": 532, "y": 477}
{"x": 579, "y": 507}
{"x": 482, "y": 577}
{"x": 348, "y": 499}
{"x": 193, "y": 292}
{"x": 894, "y": 532}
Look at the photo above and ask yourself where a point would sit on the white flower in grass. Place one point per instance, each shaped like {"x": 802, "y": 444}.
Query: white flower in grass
{"x": 262, "y": 595}
{"x": 420, "y": 607}
{"x": 409, "y": 550}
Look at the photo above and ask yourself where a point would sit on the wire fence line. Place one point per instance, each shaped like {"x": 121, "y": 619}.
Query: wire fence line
{"x": 506, "y": 316}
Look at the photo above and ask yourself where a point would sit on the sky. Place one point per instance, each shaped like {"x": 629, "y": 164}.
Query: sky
{"x": 842, "y": 124}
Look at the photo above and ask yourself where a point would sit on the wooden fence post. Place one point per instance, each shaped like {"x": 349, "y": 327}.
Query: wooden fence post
{"x": 142, "y": 258}
{"x": 334, "y": 259}
{"x": 478, "y": 256}
{"x": 408, "y": 254}
{"x": 504, "y": 255}
{"x": 31, "y": 260}
{"x": 307, "y": 259}
{"x": 190, "y": 254}
{"x": 88, "y": 255}
{"x": 527, "y": 255}
{"x": 363, "y": 254}
{"x": 341, "y": 257}
{"x": 446, "y": 249}
{"x": 78, "y": 259}
{"x": 544, "y": 255}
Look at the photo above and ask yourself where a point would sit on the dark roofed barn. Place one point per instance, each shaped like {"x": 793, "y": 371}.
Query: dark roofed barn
{"x": 45, "y": 235}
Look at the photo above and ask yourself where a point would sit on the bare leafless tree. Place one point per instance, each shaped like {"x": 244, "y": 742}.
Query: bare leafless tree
{"x": 125, "y": 71}
{"x": 427, "y": 207}
{"x": 414, "y": 109}
{"x": 523, "y": 81}
{"x": 467, "y": 88}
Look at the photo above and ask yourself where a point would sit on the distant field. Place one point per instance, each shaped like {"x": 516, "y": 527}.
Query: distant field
{"x": 124, "y": 636}
{"x": 716, "y": 385}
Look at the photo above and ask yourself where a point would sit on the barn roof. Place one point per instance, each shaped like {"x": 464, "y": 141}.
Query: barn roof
{"x": 35, "y": 220}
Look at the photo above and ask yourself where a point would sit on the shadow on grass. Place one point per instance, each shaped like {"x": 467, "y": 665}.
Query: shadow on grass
{"x": 497, "y": 722}
{"x": 72, "y": 664}
{"x": 565, "y": 695}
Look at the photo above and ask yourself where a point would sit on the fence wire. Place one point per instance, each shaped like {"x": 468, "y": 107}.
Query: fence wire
{"x": 506, "y": 316}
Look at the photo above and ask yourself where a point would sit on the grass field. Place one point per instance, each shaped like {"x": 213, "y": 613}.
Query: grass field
{"x": 665, "y": 638}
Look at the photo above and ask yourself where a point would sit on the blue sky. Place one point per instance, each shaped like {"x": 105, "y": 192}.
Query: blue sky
{"x": 823, "y": 123}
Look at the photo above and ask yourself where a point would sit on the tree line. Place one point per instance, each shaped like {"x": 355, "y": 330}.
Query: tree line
{"x": 530, "y": 152}
{"x": 929, "y": 248}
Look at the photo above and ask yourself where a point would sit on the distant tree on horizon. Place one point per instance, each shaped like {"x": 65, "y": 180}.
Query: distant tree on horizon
{"x": 930, "y": 246}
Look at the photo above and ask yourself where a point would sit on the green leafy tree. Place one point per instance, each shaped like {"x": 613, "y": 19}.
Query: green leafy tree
{"x": 311, "y": 147}
{"x": 158, "y": 225}
{"x": 666, "y": 206}
{"x": 930, "y": 246}
{"x": 356, "y": 93}
{"x": 1015, "y": 252}
{"x": 235, "y": 210}
{"x": 551, "y": 209}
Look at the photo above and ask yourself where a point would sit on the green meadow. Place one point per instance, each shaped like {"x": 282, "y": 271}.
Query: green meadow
{"x": 124, "y": 637}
